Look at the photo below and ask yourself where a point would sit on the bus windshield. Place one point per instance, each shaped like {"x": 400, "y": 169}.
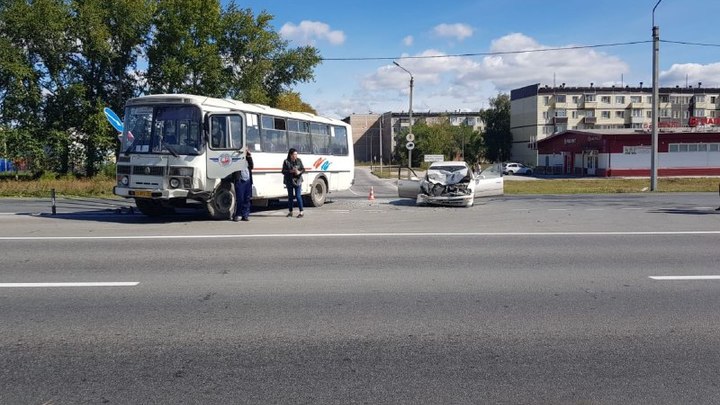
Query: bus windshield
{"x": 168, "y": 129}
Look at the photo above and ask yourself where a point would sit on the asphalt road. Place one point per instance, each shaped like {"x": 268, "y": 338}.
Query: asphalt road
{"x": 543, "y": 299}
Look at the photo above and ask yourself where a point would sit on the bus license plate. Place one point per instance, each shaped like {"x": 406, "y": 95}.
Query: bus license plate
{"x": 143, "y": 193}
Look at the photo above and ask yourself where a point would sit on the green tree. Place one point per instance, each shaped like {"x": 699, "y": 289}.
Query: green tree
{"x": 259, "y": 65}
{"x": 497, "y": 138}
{"x": 183, "y": 51}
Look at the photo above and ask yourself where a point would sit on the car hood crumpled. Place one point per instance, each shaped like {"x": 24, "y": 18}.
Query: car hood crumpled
{"x": 444, "y": 177}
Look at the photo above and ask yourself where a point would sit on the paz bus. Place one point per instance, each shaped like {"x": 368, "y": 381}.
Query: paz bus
{"x": 179, "y": 150}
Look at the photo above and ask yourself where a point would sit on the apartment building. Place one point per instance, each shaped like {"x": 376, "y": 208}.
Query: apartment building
{"x": 539, "y": 112}
{"x": 374, "y": 134}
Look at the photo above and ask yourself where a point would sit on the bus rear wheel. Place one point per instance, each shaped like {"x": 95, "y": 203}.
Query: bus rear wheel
{"x": 318, "y": 193}
{"x": 221, "y": 204}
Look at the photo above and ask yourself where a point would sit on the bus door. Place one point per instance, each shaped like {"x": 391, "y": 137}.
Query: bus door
{"x": 225, "y": 141}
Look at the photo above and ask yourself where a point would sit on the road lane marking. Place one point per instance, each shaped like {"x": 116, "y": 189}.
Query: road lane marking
{"x": 355, "y": 235}
{"x": 674, "y": 278}
{"x": 81, "y": 284}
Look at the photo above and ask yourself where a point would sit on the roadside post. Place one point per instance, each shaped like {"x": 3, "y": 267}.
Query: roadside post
{"x": 53, "y": 202}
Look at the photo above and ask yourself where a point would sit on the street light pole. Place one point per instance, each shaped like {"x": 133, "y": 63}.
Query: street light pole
{"x": 655, "y": 96}
{"x": 409, "y": 110}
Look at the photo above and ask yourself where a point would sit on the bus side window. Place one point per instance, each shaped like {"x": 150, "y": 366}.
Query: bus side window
{"x": 253, "y": 141}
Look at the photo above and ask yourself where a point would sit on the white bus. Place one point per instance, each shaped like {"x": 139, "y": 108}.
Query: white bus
{"x": 179, "y": 150}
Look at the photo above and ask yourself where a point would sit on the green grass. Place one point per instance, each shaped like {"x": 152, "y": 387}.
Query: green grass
{"x": 606, "y": 186}
{"x": 65, "y": 186}
{"x": 592, "y": 185}
{"x": 101, "y": 186}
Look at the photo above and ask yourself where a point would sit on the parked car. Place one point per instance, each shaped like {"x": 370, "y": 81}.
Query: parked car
{"x": 452, "y": 184}
{"x": 516, "y": 168}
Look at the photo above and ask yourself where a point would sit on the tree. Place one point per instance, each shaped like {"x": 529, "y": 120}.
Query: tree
{"x": 259, "y": 66}
{"x": 497, "y": 138}
{"x": 291, "y": 101}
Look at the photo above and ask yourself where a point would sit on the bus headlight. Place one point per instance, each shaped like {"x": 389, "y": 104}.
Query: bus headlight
{"x": 174, "y": 183}
{"x": 124, "y": 180}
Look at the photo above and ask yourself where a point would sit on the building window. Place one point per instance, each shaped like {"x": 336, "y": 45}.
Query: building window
{"x": 665, "y": 113}
{"x": 605, "y": 99}
{"x": 636, "y": 112}
{"x": 713, "y": 99}
{"x": 546, "y": 100}
{"x": 676, "y": 114}
{"x": 649, "y": 99}
{"x": 683, "y": 147}
{"x": 712, "y": 114}
{"x": 714, "y": 147}
{"x": 686, "y": 114}
{"x": 619, "y": 114}
{"x": 699, "y": 99}
{"x": 575, "y": 99}
{"x": 636, "y": 99}
{"x": 574, "y": 114}
{"x": 546, "y": 115}
{"x": 702, "y": 147}
{"x": 619, "y": 99}
{"x": 589, "y": 113}
{"x": 648, "y": 114}
{"x": 560, "y": 98}
{"x": 605, "y": 114}
{"x": 673, "y": 147}
{"x": 547, "y": 130}
{"x": 665, "y": 99}
{"x": 560, "y": 113}
{"x": 589, "y": 97}
{"x": 699, "y": 112}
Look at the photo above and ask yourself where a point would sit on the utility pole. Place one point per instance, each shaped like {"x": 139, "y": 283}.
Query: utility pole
{"x": 409, "y": 110}
{"x": 655, "y": 97}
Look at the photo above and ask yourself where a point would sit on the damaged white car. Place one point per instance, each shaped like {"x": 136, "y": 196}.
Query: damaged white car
{"x": 452, "y": 184}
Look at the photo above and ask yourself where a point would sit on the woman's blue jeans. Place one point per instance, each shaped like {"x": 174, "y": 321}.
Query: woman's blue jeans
{"x": 297, "y": 190}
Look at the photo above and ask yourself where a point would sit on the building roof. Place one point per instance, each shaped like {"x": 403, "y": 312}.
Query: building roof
{"x": 536, "y": 89}
{"x": 628, "y": 132}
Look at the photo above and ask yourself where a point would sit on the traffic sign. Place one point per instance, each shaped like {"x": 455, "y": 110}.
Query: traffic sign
{"x": 410, "y": 137}
{"x": 410, "y": 145}
{"x": 115, "y": 121}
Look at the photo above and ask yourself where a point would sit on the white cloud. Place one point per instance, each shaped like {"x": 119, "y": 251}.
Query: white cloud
{"x": 691, "y": 74}
{"x": 458, "y": 31}
{"x": 455, "y": 83}
{"x": 408, "y": 40}
{"x": 308, "y": 32}
{"x": 573, "y": 67}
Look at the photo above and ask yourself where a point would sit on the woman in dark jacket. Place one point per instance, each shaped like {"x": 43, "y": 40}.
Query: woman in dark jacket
{"x": 293, "y": 170}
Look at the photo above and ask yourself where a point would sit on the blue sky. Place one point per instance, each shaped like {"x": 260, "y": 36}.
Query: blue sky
{"x": 398, "y": 29}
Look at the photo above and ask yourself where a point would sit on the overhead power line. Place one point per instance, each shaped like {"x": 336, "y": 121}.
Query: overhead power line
{"x": 689, "y": 43}
{"x": 460, "y": 55}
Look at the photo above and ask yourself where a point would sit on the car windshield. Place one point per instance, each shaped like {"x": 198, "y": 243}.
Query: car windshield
{"x": 162, "y": 129}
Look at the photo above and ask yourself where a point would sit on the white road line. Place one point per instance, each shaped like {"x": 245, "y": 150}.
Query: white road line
{"x": 558, "y": 209}
{"x": 82, "y": 284}
{"x": 674, "y": 278}
{"x": 631, "y": 208}
{"x": 353, "y": 235}
{"x": 594, "y": 209}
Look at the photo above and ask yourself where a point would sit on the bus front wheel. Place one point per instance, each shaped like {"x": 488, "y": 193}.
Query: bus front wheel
{"x": 222, "y": 202}
{"x": 318, "y": 193}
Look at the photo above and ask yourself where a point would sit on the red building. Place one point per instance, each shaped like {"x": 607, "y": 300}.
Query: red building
{"x": 627, "y": 152}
